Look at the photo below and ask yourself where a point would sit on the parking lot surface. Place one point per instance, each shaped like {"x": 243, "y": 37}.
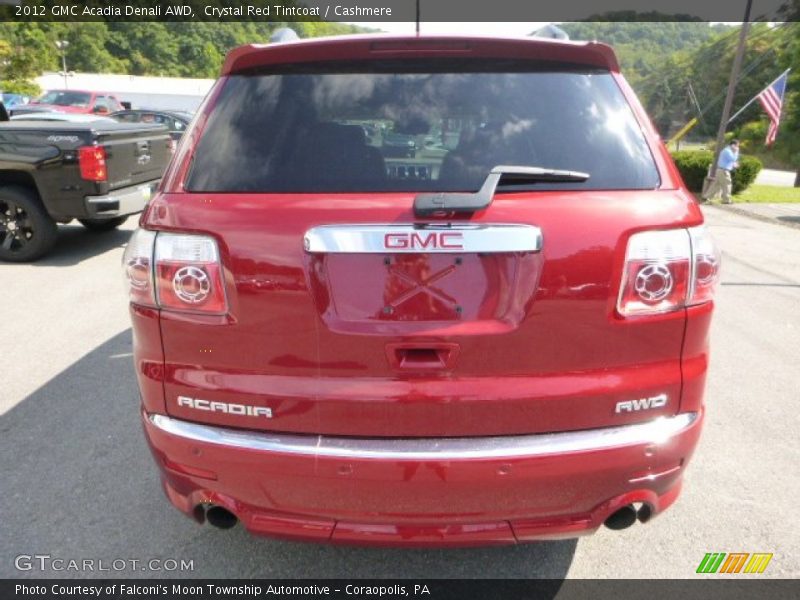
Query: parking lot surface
{"x": 78, "y": 481}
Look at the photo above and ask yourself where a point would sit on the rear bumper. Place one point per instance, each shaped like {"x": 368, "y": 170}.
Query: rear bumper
{"x": 445, "y": 491}
{"x": 124, "y": 201}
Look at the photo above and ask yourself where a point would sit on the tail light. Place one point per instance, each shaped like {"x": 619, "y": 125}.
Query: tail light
{"x": 188, "y": 273}
{"x": 92, "y": 161}
{"x": 183, "y": 272}
{"x": 668, "y": 270}
{"x": 138, "y": 265}
{"x": 706, "y": 263}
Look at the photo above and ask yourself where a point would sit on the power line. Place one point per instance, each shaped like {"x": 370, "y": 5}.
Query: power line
{"x": 750, "y": 67}
{"x": 698, "y": 56}
{"x": 746, "y": 71}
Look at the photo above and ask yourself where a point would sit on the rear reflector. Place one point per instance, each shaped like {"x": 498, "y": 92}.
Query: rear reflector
{"x": 175, "y": 272}
{"x": 182, "y": 469}
{"x": 92, "y": 161}
{"x": 668, "y": 270}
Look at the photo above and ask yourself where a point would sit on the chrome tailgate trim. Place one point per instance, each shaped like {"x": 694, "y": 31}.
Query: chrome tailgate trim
{"x": 422, "y": 238}
{"x": 657, "y": 431}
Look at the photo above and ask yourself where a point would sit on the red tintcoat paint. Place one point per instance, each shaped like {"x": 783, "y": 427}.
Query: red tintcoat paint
{"x": 537, "y": 347}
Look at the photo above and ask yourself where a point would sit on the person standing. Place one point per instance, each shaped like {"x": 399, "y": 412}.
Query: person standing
{"x": 727, "y": 162}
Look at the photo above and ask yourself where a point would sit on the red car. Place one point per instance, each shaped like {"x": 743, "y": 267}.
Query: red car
{"x": 502, "y": 341}
{"x": 74, "y": 101}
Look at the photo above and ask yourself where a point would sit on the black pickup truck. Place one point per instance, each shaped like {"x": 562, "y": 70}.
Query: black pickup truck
{"x": 98, "y": 172}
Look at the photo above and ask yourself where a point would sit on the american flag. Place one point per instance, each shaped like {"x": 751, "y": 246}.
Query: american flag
{"x": 772, "y": 101}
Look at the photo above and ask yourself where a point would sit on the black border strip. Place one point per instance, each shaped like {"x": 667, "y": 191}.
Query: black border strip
{"x": 378, "y": 11}
{"x": 708, "y": 588}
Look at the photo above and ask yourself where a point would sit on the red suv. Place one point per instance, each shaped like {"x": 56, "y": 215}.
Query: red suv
{"x": 498, "y": 337}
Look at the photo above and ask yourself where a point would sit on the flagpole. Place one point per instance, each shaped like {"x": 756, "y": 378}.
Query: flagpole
{"x": 754, "y": 98}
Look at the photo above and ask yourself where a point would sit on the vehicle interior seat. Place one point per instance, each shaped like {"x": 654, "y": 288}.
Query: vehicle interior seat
{"x": 339, "y": 156}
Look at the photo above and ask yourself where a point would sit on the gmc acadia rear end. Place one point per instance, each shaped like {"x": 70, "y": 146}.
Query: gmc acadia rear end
{"x": 499, "y": 336}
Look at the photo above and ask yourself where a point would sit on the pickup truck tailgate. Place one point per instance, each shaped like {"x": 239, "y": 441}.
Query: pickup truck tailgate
{"x": 134, "y": 153}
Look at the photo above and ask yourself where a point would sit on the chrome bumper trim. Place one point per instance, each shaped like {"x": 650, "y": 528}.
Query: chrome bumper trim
{"x": 658, "y": 431}
{"x": 407, "y": 238}
{"x": 129, "y": 200}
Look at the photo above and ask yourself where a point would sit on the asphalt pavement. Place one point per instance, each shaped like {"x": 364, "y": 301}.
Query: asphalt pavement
{"x": 78, "y": 481}
{"x": 783, "y": 213}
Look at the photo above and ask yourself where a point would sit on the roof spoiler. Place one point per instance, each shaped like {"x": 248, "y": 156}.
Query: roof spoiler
{"x": 374, "y": 47}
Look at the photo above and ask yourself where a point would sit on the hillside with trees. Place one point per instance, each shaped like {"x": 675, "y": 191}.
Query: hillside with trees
{"x": 664, "y": 60}
{"x": 641, "y": 47}
{"x": 135, "y": 48}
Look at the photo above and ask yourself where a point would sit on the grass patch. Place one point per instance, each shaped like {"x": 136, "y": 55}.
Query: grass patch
{"x": 768, "y": 194}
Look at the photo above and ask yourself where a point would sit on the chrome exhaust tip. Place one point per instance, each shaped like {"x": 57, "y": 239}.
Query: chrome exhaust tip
{"x": 644, "y": 513}
{"x": 622, "y": 518}
{"x": 220, "y": 517}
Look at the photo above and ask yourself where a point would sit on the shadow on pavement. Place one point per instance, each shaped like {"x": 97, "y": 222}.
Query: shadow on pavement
{"x": 79, "y": 483}
{"x": 76, "y": 243}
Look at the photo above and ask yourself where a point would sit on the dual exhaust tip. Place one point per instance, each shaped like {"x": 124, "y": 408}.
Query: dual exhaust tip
{"x": 622, "y": 518}
{"x": 627, "y": 516}
{"x": 217, "y": 516}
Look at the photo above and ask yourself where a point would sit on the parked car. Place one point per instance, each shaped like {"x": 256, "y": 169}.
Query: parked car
{"x": 72, "y": 101}
{"x": 13, "y": 100}
{"x": 511, "y": 348}
{"x": 175, "y": 121}
{"x": 55, "y": 168}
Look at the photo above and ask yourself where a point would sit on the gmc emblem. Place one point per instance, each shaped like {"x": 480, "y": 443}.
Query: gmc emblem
{"x": 425, "y": 241}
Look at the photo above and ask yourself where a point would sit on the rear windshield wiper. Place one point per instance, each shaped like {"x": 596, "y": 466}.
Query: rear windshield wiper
{"x": 446, "y": 202}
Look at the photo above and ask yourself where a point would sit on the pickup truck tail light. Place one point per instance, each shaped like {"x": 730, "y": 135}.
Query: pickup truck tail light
{"x": 92, "y": 161}
{"x": 668, "y": 270}
{"x": 183, "y": 272}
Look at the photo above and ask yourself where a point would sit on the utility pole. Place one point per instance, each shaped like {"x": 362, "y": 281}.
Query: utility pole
{"x": 726, "y": 109}
{"x": 62, "y": 45}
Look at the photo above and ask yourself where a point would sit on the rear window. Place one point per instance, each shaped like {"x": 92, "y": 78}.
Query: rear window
{"x": 431, "y": 130}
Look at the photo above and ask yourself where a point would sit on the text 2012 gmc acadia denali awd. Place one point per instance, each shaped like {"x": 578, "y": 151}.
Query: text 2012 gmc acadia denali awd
{"x": 497, "y": 337}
